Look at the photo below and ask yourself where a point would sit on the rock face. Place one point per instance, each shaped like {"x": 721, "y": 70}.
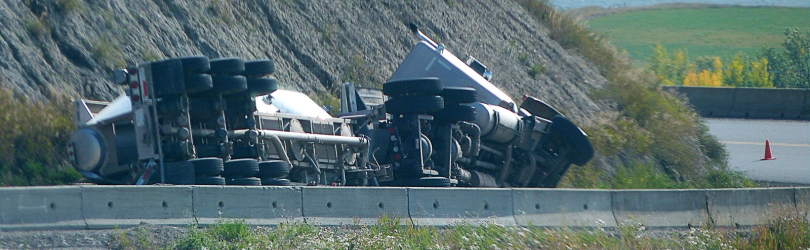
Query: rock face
{"x": 70, "y": 46}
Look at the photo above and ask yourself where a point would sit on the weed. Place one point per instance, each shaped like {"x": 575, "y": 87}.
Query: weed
{"x": 109, "y": 19}
{"x": 536, "y": 69}
{"x": 450, "y": 3}
{"x": 120, "y": 240}
{"x": 38, "y": 27}
{"x": 108, "y": 54}
{"x": 222, "y": 9}
{"x": 68, "y": 6}
{"x": 149, "y": 55}
{"x": 330, "y": 103}
{"x": 327, "y": 31}
{"x": 358, "y": 72}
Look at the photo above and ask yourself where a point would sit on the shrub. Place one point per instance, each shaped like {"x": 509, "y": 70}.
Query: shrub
{"x": 33, "y": 135}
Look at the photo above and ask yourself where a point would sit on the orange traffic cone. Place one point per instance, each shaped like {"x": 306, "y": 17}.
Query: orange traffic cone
{"x": 768, "y": 155}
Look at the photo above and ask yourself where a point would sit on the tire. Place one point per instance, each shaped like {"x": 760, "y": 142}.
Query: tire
{"x": 414, "y": 104}
{"x": 195, "y": 64}
{"x": 226, "y": 66}
{"x": 421, "y": 182}
{"x": 229, "y": 85}
{"x": 240, "y": 168}
{"x": 209, "y": 180}
{"x": 457, "y": 113}
{"x": 207, "y": 166}
{"x": 409, "y": 168}
{"x": 457, "y": 95}
{"x": 275, "y": 182}
{"x": 249, "y": 181}
{"x": 571, "y": 134}
{"x": 259, "y": 68}
{"x": 423, "y": 86}
{"x": 198, "y": 83}
{"x": 274, "y": 169}
{"x": 177, "y": 173}
{"x": 262, "y": 86}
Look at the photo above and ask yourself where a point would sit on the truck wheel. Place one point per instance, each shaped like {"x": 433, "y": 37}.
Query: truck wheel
{"x": 275, "y": 182}
{"x": 209, "y": 180}
{"x": 198, "y": 83}
{"x": 262, "y": 86}
{"x": 259, "y": 68}
{"x": 414, "y": 104}
{"x": 241, "y": 168}
{"x": 249, "y": 181}
{"x": 457, "y": 95}
{"x": 207, "y": 166}
{"x": 226, "y": 66}
{"x": 423, "y": 86}
{"x": 571, "y": 134}
{"x": 195, "y": 64}
{"x": 274, "y": 169}
{"x": 229, "y": 85}
{"x": 455, "y": 114}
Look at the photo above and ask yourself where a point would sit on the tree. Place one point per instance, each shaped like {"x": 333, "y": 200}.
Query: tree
{"x": 790, "y": 68}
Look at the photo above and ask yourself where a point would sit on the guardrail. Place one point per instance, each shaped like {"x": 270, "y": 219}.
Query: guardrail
{"x": 758, "y": 103}
{"x": 96, "y": 207}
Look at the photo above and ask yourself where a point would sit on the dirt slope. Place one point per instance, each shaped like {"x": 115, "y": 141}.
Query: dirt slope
{"x": 70, "y": 46}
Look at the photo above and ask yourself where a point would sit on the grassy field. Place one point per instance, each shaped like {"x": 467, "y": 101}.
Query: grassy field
{"x": 703, "y": 31}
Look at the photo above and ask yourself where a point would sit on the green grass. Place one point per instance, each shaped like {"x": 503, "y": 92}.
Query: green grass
{"x": 722, "y": 32}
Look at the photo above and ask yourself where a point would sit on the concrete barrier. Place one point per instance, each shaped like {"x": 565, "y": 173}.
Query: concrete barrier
{"x": 708, "y": 101}
{"x": 661, "y": 208}
{"x": 257, "y": 205}
{"x": 126, "y": 206}
{"x": 41, "y": 208}
{"x": 748, "y": 207}
{"x": 331, "y": 206}
{"x": 563, "y": 207}
{"x": 802, "y": 196}
{"x": 805, "y": 114}
{"x": 768, "y": 103}
{"x": 449, "y": 206}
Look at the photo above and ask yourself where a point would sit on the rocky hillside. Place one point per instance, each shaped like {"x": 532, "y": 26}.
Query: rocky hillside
{"x": 70, "y": 46}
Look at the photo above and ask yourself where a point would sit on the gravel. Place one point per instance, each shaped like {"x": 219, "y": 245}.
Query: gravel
{"x": 90, "y": 239}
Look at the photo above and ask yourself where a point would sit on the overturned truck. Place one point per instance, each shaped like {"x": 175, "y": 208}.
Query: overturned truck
{"x": 438, "y": 122}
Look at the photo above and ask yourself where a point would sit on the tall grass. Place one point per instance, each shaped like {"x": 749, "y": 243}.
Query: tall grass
{"x": 652, "y": 127}
{"x": 33, "y": 135}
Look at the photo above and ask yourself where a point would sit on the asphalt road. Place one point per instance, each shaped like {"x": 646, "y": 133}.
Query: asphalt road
{"x": 745, "y": 142}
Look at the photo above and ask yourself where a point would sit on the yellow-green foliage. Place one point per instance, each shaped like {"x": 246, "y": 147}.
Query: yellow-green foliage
{"x": 738, "y": 71}
{"x": 33, "y": 136}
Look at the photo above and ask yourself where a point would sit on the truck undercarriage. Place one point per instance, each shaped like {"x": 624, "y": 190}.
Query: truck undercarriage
{"x": 437, "y": 122}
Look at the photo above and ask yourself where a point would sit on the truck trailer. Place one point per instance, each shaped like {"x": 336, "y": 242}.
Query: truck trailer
{"x": 437, "y": 122}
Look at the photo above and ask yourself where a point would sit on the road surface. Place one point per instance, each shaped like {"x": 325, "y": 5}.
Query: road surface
{"x": 745, "y": 142}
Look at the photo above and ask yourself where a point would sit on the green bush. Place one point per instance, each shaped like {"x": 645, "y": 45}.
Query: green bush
{"x": 34, "y": 135}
